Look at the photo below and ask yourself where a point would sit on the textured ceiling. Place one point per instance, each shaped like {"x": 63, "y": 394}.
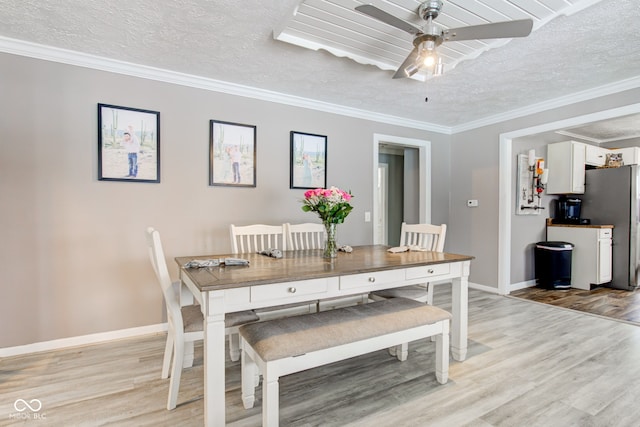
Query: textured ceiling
{"x": 616, "y": 129}
{"x": 234, "y": 42}
{"x": 337, "y": 27}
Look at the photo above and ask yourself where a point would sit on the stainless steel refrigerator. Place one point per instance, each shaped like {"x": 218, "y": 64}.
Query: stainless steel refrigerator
{"x": 611, "y": 197}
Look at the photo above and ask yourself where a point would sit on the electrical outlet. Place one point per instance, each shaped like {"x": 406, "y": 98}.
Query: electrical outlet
{"x": 472, "y": 203}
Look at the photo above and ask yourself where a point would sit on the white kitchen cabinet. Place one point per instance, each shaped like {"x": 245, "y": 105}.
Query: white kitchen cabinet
{"x": 591, "y": 256}
{"x": 630, "y": 155}
{"x": 595, "y": 156}
{"x": 565, "y": 161}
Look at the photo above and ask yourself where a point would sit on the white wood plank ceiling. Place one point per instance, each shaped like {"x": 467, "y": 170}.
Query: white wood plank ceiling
{"x": 335, "y": 26}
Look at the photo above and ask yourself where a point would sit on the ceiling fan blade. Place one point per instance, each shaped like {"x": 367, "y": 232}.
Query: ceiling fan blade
{"x": 387, "y": 18}
{"x": 411, "y": 60}
{"x": 497, "y": 30}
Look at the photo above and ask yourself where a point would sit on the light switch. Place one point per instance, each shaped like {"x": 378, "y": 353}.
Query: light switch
{"x": 367, "y": 217}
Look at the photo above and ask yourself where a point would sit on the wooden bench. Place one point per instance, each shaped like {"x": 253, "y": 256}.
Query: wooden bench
{"x": 293, "y": 344}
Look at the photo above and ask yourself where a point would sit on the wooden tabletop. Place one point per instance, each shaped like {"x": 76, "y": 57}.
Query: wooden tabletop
{"x": 307, "y": 264}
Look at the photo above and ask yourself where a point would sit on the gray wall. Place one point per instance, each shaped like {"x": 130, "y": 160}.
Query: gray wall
{"x": 73, "y": 253}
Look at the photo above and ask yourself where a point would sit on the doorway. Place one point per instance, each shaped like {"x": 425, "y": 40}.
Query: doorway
{"x": 505, "y": 181}
{"x": 402, "y": 185}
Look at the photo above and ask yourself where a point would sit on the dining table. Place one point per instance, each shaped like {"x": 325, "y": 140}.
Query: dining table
{"x": 302, "y": 276}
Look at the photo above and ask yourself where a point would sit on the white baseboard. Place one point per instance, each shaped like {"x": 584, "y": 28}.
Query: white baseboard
{"x": 484, "y": 288}
{"x": 521, "y": 285}
{"x": 82, "y": 340}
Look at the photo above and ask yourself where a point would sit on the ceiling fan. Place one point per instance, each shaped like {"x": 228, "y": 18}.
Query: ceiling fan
{"x": 428, "y": 38}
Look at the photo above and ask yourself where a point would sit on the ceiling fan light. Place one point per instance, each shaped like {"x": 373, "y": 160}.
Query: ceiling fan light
{"x": 411, "y": 70}
{"x": 430, "y": 60}
{"x": 438, "y": 70}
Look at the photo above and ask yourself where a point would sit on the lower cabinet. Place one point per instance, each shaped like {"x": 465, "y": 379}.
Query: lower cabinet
{"x": 591, "y": 256}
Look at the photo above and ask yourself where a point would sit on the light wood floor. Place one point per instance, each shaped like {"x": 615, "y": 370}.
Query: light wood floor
{"x": 528, "y": 364}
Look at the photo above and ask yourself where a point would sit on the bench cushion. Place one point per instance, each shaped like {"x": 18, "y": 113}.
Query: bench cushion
{"x": 293, "y": 336}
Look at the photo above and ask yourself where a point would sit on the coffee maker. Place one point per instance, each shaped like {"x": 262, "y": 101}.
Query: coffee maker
{"x": 568, "y": 211}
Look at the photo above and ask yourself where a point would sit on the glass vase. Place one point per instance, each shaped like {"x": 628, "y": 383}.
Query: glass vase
{"x": 330, "y": 245}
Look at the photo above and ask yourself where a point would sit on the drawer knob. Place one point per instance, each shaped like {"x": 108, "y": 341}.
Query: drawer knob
{"x": 292, "y": 290}
{"x": 372, "y": 279}
{"x": 430, "y": 271}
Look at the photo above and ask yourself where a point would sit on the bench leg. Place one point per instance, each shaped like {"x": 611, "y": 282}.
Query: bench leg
{"x": 402, "y": 351}
{"x": 248, "y": 373}
{"x": 270, "y": 402}
{"x": 442, "y": 354}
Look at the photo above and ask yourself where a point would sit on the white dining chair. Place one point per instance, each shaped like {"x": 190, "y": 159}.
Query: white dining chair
{"x": 312, "y": 235}
{"x": 257, "y": 238}
{"x": 426, "y": 236}
{"x": 185, "y": 324}
{"x": 308, "y": 235}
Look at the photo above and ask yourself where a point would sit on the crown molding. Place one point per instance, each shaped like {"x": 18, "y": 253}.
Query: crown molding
{"x": 585, "y": 95}
{"x": 54, "y": 54}
{"x": 49, "y": 53}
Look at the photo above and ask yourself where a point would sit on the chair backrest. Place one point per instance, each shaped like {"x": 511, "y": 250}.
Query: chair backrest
{"x": 169, "y": 291}
{"x": 426, "y": 236}
{"x": 308, "y": 235}
{"x": 256, "y": 238}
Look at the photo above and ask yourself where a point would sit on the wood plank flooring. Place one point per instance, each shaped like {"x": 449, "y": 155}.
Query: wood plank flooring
{"x": 528, "y": 364}
{"x": 600, "y": 301}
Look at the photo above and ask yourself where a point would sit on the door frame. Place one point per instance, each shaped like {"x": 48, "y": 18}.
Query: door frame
{"x": 380, "y": 235}
{"x": 424, "y": 165}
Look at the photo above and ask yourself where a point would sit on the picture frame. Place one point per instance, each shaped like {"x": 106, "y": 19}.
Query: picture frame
{"x": 308, "y": 160}
{"x": 232, "y": 154}
{"x": 128, "y": 144}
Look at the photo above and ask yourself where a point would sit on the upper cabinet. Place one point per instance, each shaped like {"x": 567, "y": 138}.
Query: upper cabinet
{"x": 566, "y": 161}
{"x": 630, "y": 155}
{"x": 595, "y": 156}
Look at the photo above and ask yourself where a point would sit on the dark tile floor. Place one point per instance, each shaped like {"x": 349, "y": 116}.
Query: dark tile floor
{"x": 614, "y": 303}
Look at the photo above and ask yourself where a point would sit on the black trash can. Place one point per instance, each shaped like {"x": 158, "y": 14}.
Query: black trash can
{"x": 553, "y": 264}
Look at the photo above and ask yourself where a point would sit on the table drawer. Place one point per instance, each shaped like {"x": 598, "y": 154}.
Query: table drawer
{"x": 371, "y": 279}
{"x": 428, "y": 271}
{"x": 282, "y": 291}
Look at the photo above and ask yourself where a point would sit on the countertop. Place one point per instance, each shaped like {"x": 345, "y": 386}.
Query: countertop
{"x": 551, "y": 224}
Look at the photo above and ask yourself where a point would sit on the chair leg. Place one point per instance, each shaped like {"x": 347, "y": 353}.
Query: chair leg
{"x": 393, "y": 351}
{"x": 248, "y": 371}
{"x": 234, "y": 346}
{"x": 442, "y": 354}
{"x": 166, "y": 361}
{"x": 188, "y": 356}
{"x": 430, "y": 293}
{"x": 430, "y": 301}
{"x": 176, "y": 372}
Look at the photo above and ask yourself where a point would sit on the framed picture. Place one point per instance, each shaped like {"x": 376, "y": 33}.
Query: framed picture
{"x": 128, "y": 144}
{"x": 232, "y": 154}
{"x": 308, "y": 160}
